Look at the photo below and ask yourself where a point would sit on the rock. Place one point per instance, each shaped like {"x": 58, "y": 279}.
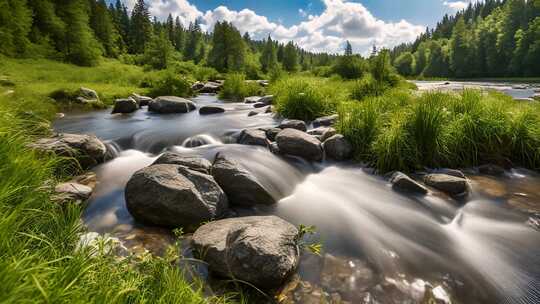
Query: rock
{"x": 317, "y": 131}
{"x": 206, "y": 110}
{"x": 174, "y": 196}
{"x": 491, "y": 170}
{"x": 274, "y": 148}
{"x": 241, "y": 187}
{"x": 452, "y": 172}
{"x": 171, "y": 104}
{"x": 447, "y": 183}
{"x": 328, "y": 133}
{"x": 271, "y": 133}
{"x": 191, "y": 162}
{"x": 259, "y": 105}
{"x": 401, "y": 182}
{"x": 536, "y": 96}
{"x": 337, "y": 148}
{"x": 293, "y": 124}
{"x": 141, "y": 100}
{"x": 252, "y": 113}
{"x": 125, "y": 106}
{"x": 197, "y": 86}
{"x": 261, "y": 250}
{"x": 254, "y": 137}
{"x": 199, "y": 140}
{"x": 211, "y": 87}
{"x": 348, "y": 277}
{"x": 252, "y": 99}
{"x": 268, "y": 110}
{"x": 297, "y": 143}
{"x": 88, "y": 93}
{"x": 77, "y": 190}
{"x": 88, "y": 150}
{"x": 325, "y": 121}
{"x": 267, "y": 100}
{"x": 263, "y": 83}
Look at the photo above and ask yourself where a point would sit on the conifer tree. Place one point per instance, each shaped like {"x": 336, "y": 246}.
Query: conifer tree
{"x": 140, "y": 27}
{"x": 15, "y": 24}
{"x": 290, "y": 57}
{"x": 179, "y": 35}
{"x": 268, "y": 57}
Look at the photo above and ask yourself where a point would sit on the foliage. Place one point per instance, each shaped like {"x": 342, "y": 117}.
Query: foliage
{"x": 228, "y": 49}
{"x": 236, "y": 88}
{"x": 368, "y": 86}
{"x": 290, "y": 57}
{"x": 168, "y": 83}
{"x": 268, "y": 58}
{"x": 405, "y": 64}
{"x": 158, "y": 53}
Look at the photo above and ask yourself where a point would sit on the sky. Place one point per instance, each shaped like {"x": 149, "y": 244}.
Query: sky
{"x": 316, "y": 25}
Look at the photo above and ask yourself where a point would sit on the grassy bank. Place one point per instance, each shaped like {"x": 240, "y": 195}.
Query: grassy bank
{"x": 39, "y": 262}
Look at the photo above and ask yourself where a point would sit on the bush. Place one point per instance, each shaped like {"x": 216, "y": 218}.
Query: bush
{"x": 350, "y": 67}
{"x": 305, "y": 98}
{"x": 368, "y": 87}
{"x": 168, "y": 83}
{"x": 236, "y": 88}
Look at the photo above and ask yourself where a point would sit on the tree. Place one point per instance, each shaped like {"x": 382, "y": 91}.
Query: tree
{"x": 179, "y": 35}
{"x": 103, "y": 27}
{"x": 438, "y": 61}
{"x": 348, "y": 49}
{"x": 405, "y": 64}
{"x": 381, "y": 69}
{"x": 290, "y": 57}
{"x": 15, "y": 24}
{"x": 459, "y": 49}
{"x": 349, "y": 66}
{"x": 192, "y": 50}
{"x": 228, "y": 48}
{"x": 159, "y": 51}
{"x": 141, "y": 27}
{"x": 169, "y": 27}
{"x": 268, "y": 57}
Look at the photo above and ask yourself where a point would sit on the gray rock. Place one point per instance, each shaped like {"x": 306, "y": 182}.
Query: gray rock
{"x": 191, "y": 162}
{"x": 253, "y": 137}
{"x": 211, "y": 87}
{"x": 88, "y": 93}
{"x": 88, "y": 150}
{"x": 347, "y": 276}
{"x": 328, "y": 133}
{"x": 252, "y": 99}
{"x": 274, "y": 148}
{"x": 263, "y": 83}
{"x": 403, "y": 183}
{"x": 337, "y": 147}
{"x": 447, "y": 183}
{"x": 297, "y": 143}
{"x": 72, "y": 191}
{"x": 325, "y": 121}
{"x": 197, "y": 86}
{"x": 261, "y": 250}
{"x": 142, "y": 101}
{"x": 268, "y": 110}
{"x": 212, "y": 109}
{"x": 452, "y": 172}
{"x": 267, "y": 100}
{"x": 317, "y": 131}
{"x": 271, "y": 133}
{"x": 293, "y": 124}
{"x": 252, "y": 113}
{"x": 125, "y": 106}
{"x": 171, "y": 104}
{"x": 174, "y": 196}
{"x": 259, "y": 105}
{"x": 241, "y": 187}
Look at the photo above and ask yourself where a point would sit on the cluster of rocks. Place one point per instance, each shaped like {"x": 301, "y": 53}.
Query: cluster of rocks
{"x": 259, "y": 102}
{"x": 292, "y": 138}
{"x": 77, "y": 190}
{"x": 214, "y": 86}
{"x": 448, "y": 181}
{"x": 186, "y": 191}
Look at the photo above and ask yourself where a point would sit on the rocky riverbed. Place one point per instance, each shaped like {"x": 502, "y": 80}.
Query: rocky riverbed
{"x": 444, "y": 236}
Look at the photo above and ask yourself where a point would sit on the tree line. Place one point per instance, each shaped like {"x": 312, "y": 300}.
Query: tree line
{"x": 493, "y": 38}
{"x": 82, "y": 31}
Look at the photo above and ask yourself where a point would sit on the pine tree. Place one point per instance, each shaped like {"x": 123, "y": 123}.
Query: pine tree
{"x": 405, "y": 64}
{"x": 140, "y": 31}
{"x": 15, "y": 24}
{"x": 228, "y": 48}
{"x": 103, "y": 27}
{"x": 459, "y": 49}
{"x": 159, "y": 51}
{"x": 348, "y": 49}
{"x": 169, "y": 26}
{"x": 179, "y": 35}
{"x": 290, "y": 57}
{"x": 268, "y": 57}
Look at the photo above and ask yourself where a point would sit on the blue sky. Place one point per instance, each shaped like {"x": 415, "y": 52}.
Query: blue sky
{"x": 316, "y": 25}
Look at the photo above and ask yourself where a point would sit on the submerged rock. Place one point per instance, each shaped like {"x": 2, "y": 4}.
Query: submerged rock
{"x": 141, "y": 100}
{"x": 125, "y": 106}
{"x": 206, "y": 110}
{"x": 491, "y": 170}
{"x": 447, "y": 183}
{"x": 171, "y": 104}
{"x": 402, "y": 182}
{"x": 253, "y": 137}
{"x": 337, "y": 148}
{"x": 241, "y": 187}
{"x": 293, "y": 124}
{"x": 191, "y": 162}
{"x": 252, "y": 113}
{"x": 348, "y": 277}
{"x": 174, "y": 196}
{"x": 259, "y": 105}
{"x": 88, "y": 150}
{"x": 297, "y": 143}
{"x": 261, "y": 250}
{"x": 325, "y": 121}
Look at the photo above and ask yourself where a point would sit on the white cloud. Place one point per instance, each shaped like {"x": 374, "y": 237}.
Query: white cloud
{"x": 302, "y": 13}
{"x": 459, "y": 5}
{"x": 341, "y": 20}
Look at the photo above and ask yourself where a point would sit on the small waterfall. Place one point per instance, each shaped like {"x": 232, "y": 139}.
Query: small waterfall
{"x": 113, "y": 149}
{"x": 200, "y": 140}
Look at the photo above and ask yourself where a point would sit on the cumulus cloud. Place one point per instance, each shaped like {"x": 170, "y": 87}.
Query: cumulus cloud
{"x": 341, "y": 20}
{"x": 459, "y": 5}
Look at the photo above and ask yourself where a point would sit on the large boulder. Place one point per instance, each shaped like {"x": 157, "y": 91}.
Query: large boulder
{"x": 271, "y": 133}
{"x": 337, "y": 147}
{"x": 195, "y": 163}
{"x": 174, "y": 196}
{"x": 142, "y": 101}
{"x": 253, "y": 137}
{"x": 325, "y": 121}
{"x": 261, "y": 250}
{"x": 449, "y": 184}
{"x": 293, "y": 124}
{"x": 211, "y": 109}
{"x": 241, "y": 187}
{"x": 88, "y": 150}
{"x": 171, "y": 104}
{"x": 403, "y": 183}
{"x": 125, "y": 106}
{"x": 298, "y": 143}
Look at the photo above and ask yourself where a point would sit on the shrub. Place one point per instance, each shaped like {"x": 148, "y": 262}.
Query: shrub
{"x": 350, "y": 67}
{"x": 304, "y": 98}
{"x": 168, "y": 83}
{"x": 368, "y": 87}
{"x": 236, "y": 88}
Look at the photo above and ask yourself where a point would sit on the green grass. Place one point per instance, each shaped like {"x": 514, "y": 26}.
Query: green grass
{"x": 38, "y": 260}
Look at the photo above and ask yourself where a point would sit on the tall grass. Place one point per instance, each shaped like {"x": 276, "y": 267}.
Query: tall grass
{"x": 236, "y": 88}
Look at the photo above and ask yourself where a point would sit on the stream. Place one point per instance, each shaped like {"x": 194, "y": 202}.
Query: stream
{"x": 482, "y": 250}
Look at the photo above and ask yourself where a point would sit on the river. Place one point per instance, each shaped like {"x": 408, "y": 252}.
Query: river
{"x": 482, "y": 250}
{"x": 522, "y": 91}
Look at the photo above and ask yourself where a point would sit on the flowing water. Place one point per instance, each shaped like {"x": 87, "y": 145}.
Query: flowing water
{"x": 481, "y": 250}
{"x": 516, "y": 90}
